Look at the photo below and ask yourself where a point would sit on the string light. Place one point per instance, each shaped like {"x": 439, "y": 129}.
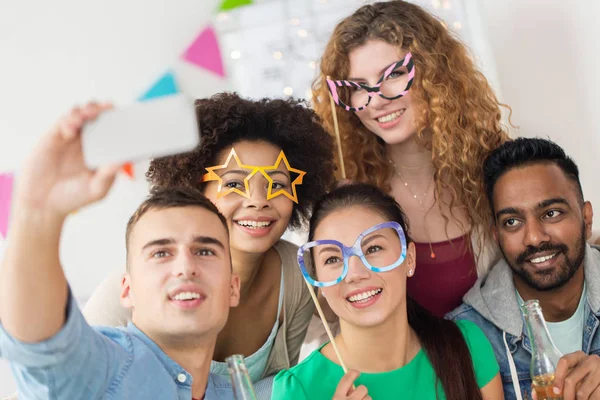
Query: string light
{"x": 221, "y": 17}
{"x": 302, "y": 38}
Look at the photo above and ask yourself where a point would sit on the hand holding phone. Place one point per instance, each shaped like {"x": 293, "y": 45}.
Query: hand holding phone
{"x": 55, "y": 180}
{"x": 156, "y": 128}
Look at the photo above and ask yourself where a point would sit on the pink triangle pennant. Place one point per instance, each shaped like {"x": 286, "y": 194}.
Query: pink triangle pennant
{"x": 205, "y": 52}
{"x": 6, "y": 188}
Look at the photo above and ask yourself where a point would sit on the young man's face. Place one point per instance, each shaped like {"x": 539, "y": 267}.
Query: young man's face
{"x": 180, "y": 282}
{"x": 541, "y": 224}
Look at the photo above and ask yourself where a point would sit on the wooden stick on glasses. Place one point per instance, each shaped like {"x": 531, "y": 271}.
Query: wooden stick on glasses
{"x": 320, "y": 311}
{"x": 337, "y": 134}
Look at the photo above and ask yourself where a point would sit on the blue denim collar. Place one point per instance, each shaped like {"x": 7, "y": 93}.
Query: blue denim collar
{"x": 493, "y": 296}
{"x": 174, "y": 369}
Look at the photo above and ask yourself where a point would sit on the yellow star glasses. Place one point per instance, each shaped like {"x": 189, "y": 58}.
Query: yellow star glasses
{"x": 249, "y": 171}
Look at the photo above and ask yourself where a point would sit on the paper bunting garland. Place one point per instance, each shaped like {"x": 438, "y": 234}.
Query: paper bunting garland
{"x": 165, "y": 86}
{"x": 127, "y": 169}
{"x": 227, "y": 5}
{"x": 204, "y": 52}
{"x": 6, "y": 188}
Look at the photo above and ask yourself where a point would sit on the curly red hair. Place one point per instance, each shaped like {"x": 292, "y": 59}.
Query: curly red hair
{"x": 457, "y": 107}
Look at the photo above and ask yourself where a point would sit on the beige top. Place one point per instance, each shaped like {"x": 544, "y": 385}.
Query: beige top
{"x": 104, "y": 308}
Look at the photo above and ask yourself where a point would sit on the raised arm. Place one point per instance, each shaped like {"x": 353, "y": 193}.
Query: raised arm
{"x": 53, "y": 183}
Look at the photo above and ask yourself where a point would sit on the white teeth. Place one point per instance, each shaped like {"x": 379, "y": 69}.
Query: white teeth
{"x": 364, "y": 295}
{"x": 254, "y": 224}
{"x": 542, "y": 259}
{"x": 392, "y": 116}
{"x": 186, "y": 296}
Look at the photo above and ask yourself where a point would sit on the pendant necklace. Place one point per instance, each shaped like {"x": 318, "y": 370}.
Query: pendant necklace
{"x": 420, "y": 200}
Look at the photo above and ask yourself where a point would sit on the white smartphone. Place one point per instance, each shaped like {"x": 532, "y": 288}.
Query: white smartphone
{"x": 155, "y": 128}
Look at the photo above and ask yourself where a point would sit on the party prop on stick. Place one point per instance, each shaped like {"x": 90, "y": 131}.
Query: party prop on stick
{"x": 394, "y": 83}
{"x": 252, "y": 170}
{"x": 337, "y": 134}
{"x": 330, "y": 275}
{"x": 327, "y": 328}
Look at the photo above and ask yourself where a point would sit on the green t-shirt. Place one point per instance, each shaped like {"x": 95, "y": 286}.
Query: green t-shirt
{"x": 317, "y": 377}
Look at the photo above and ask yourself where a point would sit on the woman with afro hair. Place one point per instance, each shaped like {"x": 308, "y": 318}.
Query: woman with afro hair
{"x": 417, "y": 119}
{"x": 242, "y": 143}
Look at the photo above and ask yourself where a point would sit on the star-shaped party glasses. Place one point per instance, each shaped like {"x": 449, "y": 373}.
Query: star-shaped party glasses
{"x": 211, "y": 175}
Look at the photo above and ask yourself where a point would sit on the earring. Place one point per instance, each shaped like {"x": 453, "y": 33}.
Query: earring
{"x": 410, "y": 272}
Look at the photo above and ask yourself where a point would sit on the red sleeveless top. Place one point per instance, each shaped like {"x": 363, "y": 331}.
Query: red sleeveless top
{"x": 440, "y": 283}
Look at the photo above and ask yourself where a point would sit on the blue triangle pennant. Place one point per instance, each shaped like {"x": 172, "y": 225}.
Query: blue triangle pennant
{"x": 165, "y": 86}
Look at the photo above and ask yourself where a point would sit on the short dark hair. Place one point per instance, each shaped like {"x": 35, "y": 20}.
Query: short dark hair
{"x": 226, "y": 119}
{"x": 523, "y": 152}
{"x": 171, "y": 198}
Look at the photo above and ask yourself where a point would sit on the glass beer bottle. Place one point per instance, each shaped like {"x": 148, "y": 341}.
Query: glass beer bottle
{"x": 240, "y": 380}
{"x": 544, "y": 354}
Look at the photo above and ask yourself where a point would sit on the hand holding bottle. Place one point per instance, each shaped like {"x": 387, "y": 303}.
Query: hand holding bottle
{"x": 243, "y": 389}
{"x": 578, "y": 376}
{"x": 345, "y": 389}
{"x": 544, "y": 354}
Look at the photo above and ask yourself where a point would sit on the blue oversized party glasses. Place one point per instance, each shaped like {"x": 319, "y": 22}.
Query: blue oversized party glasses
{"x": 381, "y": 248}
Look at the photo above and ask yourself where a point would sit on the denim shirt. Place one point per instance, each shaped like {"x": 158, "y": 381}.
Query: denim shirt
{"x": 493, "y": 306}
{"x": 81, "y": 362}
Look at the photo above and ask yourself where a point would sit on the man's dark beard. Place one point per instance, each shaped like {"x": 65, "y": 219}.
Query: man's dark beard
{"x": 560, "y": 276}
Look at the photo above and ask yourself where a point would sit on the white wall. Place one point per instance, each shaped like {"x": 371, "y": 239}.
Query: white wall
{"x": 546, "y": 54}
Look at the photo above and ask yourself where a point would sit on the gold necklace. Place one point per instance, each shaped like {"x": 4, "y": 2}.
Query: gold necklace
{"x": 414, "y": 195}
{"x": 409, "y": 168}
{"x": 420, "y": 200}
